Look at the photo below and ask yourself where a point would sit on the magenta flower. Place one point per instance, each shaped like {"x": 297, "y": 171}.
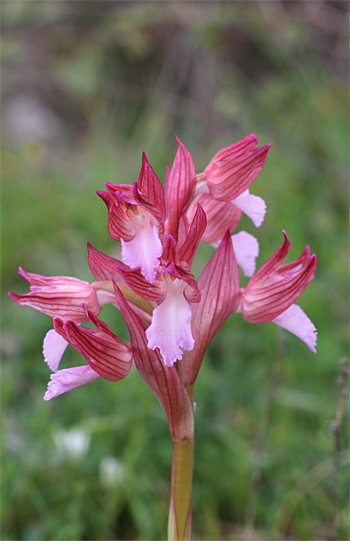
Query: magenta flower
{"x": 271, "y": 293}
{"x": 170, "y": 315}
{"x": 61, "y": 296}
{"x": 136, "y": 217}
{"x": 233, "y": 168}
{"x": 223, "y": 192}
{"x": 160, "y": 231}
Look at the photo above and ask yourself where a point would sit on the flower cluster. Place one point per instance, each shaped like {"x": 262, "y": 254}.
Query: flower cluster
{"x": 170, "y": 315}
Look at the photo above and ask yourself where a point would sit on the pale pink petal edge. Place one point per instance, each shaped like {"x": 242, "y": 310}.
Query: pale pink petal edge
{"x": 252, "y": 205}
{"x": 296, "y": 321}
{"x": 68, "y": 379}
{"x": 54, "y": 346}
{"x": 143, "y": 251}
{"x": 246, "y": 248}
{"x": 170, "y": 330}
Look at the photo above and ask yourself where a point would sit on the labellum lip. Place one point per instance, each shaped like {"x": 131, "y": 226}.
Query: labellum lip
{"x": 145, "y": 249}
{"x": 170, "y": 329}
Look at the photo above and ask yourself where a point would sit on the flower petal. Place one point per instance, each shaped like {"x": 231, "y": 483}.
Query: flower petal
{"x": 219, "y": 283}
{"x": 266, "y": 303}
{"x": 221, "y": 216}
{"x": 182, "y": 230}
{"x": 275, "y": 287}
{"x": 252, "y": 205}
{"x": 104, "y": 267}
{"x": 148, "y": 192}
{"x": 59, "y": 296}
{"x": 68, "y": 379}
{"x": 233, "y": 168}
{"x": 143, "y": 250}
{"x": 179, "y": 186}
{"x": 246, "y": 249}
{"x": 170, "y": 329}
{"x": 104, "y": 352}
{"x": 198, "y": 225}
{"x": 119, "y": 224}
{"x": 139, "y": 284}
{"x": 296, "y": 321}
{"x": 53, "y": 348}
{"x": 272, "y": 263}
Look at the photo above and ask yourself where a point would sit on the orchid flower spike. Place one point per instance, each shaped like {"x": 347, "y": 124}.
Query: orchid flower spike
{"x": 233, "y": 169}
{"x": 172, "y": 316}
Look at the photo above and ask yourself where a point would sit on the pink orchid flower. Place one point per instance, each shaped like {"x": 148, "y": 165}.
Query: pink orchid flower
{"x": 61, "y": 296}
{"x": 171, "y": 317}
{"x": 271, "y": 293}
{"x": 233, "y": 169}
{"x": 223, "y": 192}
{"x": 136, "y": 218}
{"x": 160, "y": 231}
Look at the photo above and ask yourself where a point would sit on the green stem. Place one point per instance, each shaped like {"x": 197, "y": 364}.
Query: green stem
{"x": 180, "y": 512}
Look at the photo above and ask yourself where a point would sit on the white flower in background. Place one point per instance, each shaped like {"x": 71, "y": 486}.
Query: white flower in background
{"x": 111, "y": 472}
{"x": 75, "y": 443}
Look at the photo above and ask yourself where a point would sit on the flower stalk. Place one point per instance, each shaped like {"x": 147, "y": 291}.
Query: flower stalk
{"x": 180, "y": 512}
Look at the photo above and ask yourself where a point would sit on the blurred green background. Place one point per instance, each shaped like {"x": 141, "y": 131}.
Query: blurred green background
{"x": 87, "y": 86}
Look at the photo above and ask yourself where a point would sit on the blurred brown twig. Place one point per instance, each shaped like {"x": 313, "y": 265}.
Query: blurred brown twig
{"x": 335, "y": 427}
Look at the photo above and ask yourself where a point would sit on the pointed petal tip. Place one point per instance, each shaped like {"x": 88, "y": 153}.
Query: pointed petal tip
{"x": 250, "y": 136}
{"x": 305, "y": 253}
{"x": 144, "y": 160}
{"x": 15, "y": 297}
{"x": 24, "y": 274}
{"x": 103, "y": 195}
{"x": 286, "y": 239}
{"x": 179, "y": 142}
